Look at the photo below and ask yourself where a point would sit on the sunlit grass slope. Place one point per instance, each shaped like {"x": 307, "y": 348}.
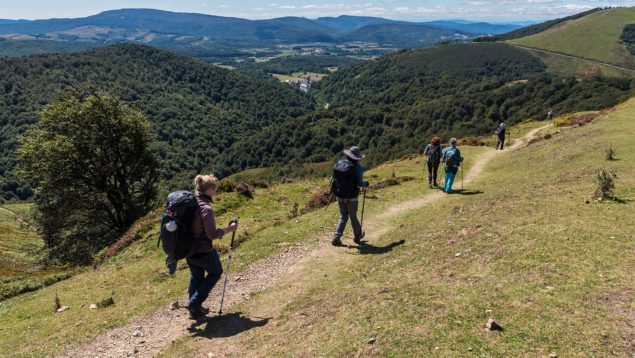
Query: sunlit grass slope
{"x": 595, "y": 36}
{"x": 137, "y": 275}
{"x": 525, "y": 250}
{"x": 21, "y": 254}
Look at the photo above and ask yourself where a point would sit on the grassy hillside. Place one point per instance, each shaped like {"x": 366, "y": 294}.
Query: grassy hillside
{"x": 137, "y": 275}
{"x": 565, "y": 65}
{"x": 525, "y": 250}
{"x": 21, "y": 266}
{"x": 595, "y": 36}
{"x": 535, "y": 29}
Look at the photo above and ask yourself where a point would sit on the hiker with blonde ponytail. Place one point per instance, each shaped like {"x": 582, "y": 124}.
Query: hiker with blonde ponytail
{"x": 203, "y": 258}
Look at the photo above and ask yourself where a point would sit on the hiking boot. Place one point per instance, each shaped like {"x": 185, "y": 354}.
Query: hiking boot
{"x": 435, "y": 185}
{"x": 197, "y": 311}
{"x": 430, "y": 186}
{"x": 336, "y": 242}
{"x": 357, "y": 240}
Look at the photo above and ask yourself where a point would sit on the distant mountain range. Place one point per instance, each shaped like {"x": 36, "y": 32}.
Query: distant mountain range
{"x": 170, "y": 29}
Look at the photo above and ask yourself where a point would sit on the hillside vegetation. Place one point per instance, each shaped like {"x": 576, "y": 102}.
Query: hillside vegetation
{"x": 196, "y": 110}
{"x": 628, "y": 37}
{"x": 394, "y": 104}
{"x": 288, "y": 65}
{"x": 23, "y": 251}
{"x": 523, "y": 249}
{"x": 136, "y": 277}
{"x": 10, "y": 48}
{"x": 535, "y": 29}
{"x": 595, "y": 36}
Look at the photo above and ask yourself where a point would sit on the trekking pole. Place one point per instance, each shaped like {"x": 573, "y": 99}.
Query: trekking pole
{"x": 461, "y": 167}
{"x": 361, "y": 224}
{"x": 229, "y": 257}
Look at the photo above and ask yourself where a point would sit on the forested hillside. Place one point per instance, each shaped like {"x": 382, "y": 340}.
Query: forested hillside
{"x": 196, "y": 110}
{"x": 207, "y": 118}
{"x": 391, "y": 106}
{"x": 290, "y": 64}
{"x": 11, "y": 48}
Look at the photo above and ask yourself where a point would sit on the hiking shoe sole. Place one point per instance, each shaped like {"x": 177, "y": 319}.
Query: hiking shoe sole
{"x": 197, "y": 312}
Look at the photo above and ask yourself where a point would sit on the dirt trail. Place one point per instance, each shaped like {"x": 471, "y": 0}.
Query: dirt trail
{"x": 149, "y": 335}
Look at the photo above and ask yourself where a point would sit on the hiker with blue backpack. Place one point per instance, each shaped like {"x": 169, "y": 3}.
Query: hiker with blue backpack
{"x": 347, "y": 179}
{"x": 452, "y": 160}
{"x": 433, "y": 153}
{"x": 188, "y": 228}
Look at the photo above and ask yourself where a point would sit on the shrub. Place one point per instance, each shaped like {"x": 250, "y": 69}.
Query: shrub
{"x": 245, "y": 190}
{"x": 258, "y": 183}
{"x": 610, "y": 153}
{"x": 226, "y": 186}
{"x": 319, "y": 200}
{"x": 605, "y": 181}
{"x": 294, "y": 211}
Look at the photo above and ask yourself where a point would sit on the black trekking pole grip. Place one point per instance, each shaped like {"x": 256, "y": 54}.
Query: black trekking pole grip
{"x": 234, "y": 220}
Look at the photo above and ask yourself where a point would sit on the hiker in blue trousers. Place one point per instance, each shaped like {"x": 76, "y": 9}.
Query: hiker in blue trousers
{"x": 348, "y": 177}
{"x": 452, "y": 161}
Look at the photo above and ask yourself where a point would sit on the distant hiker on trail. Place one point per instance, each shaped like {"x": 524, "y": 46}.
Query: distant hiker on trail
{"x": 433, "y": 153}
{"x": 348, "y": 177}
{"x": 203, "y": 257}
{"x": 550, "y": 116}
{"x": 452, "y": 160}
{"x": 500, "y": 133}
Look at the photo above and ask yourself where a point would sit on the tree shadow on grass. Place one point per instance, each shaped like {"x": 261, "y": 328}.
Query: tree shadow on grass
{"x": 365, "y": 248}
{"x": 226, "y": 325}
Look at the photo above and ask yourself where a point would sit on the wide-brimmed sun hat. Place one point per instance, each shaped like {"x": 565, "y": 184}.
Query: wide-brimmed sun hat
{"x": 354, "y": 153}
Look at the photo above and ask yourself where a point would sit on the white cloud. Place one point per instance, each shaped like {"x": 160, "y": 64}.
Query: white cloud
{"x": 287, "y": 7}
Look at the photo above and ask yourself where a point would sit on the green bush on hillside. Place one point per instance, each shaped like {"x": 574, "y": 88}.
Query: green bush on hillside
{"x": 605, "y": 181}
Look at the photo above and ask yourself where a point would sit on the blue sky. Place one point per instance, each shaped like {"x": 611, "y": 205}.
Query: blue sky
{"x": 489, "y": 10}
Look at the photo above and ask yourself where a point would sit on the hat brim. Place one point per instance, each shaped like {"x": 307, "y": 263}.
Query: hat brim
{"x": 350, "y": 154}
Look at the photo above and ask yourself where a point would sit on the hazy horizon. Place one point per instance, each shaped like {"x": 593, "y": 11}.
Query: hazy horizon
{"x": 495, "y": 11}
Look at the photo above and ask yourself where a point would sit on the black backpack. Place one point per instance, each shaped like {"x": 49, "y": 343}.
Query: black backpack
{"x": 179, "y": 209}
{"x": 344, "y": 180}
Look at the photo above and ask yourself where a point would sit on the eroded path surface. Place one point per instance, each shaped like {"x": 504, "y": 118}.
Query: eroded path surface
{"x": 284, "y": 270}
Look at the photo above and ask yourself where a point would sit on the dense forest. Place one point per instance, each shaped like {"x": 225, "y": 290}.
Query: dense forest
{"x": 207, "y": 118}
{"x": 391, "y": 106}
{"x": 534, "y": 29}
{"x": 291, "y": 64}
{"x": 10, "y": 48}
{"x": 196, "y": 110}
